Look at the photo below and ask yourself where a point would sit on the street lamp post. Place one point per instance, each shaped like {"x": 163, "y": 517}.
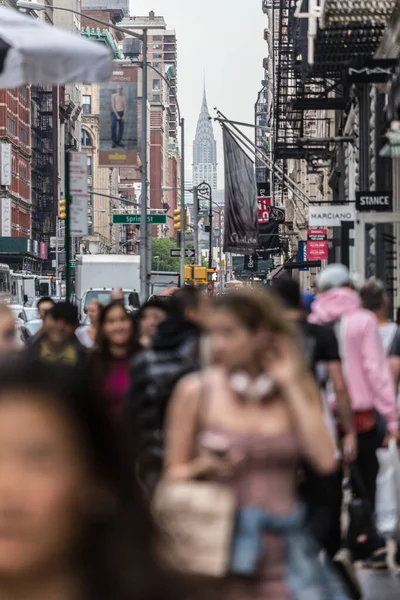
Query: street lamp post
{"x": 204, "y": 192}
{"x": 145, "y": 268}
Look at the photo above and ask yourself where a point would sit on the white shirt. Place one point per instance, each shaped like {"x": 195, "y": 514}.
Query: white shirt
{"x": 82, "y": 333}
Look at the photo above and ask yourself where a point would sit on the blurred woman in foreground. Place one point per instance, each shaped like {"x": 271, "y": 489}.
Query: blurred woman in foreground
{"x": 72, "y": 522}
{"x": 116, "y": 344}
{"x": 251, "y": 418}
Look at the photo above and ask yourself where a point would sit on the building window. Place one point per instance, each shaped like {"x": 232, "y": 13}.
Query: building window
{"x": 157, "y": 38}
{"x": 86, "y": 138}
{"x": 87, "y": 104}
{"x": 157, "y": 55}
{"x": 23, "y": 136}
{"x": 156, "y": 46}
{"x": 89, "y": 165}
{"x": 23, "y": 92}
{"x": 11, "y": 126}
{"x": 156, "y": 84}
{"x": 156, "y": 98}
{"x": 156, "y": 65}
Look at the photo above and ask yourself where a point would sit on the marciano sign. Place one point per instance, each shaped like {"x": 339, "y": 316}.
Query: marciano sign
{"x": 330, "y": 216}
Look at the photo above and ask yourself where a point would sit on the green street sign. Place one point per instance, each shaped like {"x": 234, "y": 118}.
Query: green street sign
{"x": 136, "y": 219}
{"x": 72, "y": 263}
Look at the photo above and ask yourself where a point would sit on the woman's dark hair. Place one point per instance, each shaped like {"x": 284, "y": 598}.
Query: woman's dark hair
{"x": 289, "y": 292}
{"x": 116, "y": 559}
{"x": 102, "y": 348}
{"x": 45, "y": 299}
{"x": 153, "y": 303}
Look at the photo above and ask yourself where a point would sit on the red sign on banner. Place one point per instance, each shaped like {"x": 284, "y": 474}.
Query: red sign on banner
{"x": 317, "y": 235}
{"x": 317, "y": 250}
{"x": 264, "y": 202}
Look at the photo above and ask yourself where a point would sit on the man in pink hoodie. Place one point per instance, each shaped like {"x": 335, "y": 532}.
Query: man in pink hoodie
{"x": 365, "y": 367}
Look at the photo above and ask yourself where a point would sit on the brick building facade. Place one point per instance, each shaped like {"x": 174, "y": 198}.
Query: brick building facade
{"x": 15, "y": 125}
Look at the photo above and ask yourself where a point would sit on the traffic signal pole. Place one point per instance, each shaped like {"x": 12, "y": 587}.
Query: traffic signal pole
{"x": 183, "y": 209}
{"x": 144, "y": 229}
{"x": 67, "y": 229}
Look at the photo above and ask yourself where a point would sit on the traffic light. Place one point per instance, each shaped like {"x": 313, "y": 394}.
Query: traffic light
{"x": 62, "y": 209}
{"x": 200, "y": 273}
{"x": 177, "y": 219}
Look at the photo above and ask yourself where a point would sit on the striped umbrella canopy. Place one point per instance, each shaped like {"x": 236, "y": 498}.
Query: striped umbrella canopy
{"x": 34, "y": 52}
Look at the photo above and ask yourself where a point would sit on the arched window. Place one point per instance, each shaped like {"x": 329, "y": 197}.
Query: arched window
{"x": 86, "y": 138}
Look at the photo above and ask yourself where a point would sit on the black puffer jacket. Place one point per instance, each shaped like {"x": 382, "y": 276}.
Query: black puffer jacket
{"x": 156, "y": 371}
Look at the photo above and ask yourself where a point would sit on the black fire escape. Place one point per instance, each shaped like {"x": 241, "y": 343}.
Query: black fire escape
{"x": 337, "y": 81}
{"x": 43, "y": 193}
{"x": 261, "y": 135}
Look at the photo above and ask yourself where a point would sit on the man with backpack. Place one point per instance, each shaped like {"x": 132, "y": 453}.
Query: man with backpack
{"x": 367, "y": 375}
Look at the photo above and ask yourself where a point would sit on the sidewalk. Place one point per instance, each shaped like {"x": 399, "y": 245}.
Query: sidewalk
{"x": 383, "y": 586}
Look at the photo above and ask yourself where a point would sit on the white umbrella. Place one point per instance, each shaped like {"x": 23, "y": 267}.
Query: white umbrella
{"x": 33, "y": 52}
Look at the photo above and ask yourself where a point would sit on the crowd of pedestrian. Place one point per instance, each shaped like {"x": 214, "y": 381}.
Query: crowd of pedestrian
{"x": 272, "y": 401}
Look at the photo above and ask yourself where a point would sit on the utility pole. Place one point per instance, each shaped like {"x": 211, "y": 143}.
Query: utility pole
{"x": 67, "y": 228}
{"x": 210, "y": 254}
{"x": 144, "y": 281}
{"x": 196, "y": 225}
{"x": 221, "y": 271}
{"x": 57, "y": 232}
{"x": 110, "y": 189}
{"x": 204, "y": 193}
{"x": 183, "y": 209}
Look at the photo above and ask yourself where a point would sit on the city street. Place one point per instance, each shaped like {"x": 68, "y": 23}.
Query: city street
{"x": 380, "y": 585}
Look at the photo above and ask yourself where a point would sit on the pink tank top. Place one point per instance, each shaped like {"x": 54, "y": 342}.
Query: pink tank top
{"x": 116, "y": 386}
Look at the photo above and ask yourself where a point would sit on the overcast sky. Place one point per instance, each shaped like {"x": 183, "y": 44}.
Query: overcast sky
{"x": 224, "y": 40}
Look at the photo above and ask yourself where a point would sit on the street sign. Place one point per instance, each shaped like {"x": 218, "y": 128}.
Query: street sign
{"x": 264, "y": 204}
{"x": 72, "y": 263}
{"x": 135, "y": 219}
{"x": 78, "y": 174}
{"x": 317, "y": 244}
{"x": 176, "y": 253}
{"x": 204, "y": 213}
{"x": 302, "y": 254}
{"x": 78, "y": 210}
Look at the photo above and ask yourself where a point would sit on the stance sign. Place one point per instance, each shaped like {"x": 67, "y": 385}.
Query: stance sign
{"x": 374, "y": 201}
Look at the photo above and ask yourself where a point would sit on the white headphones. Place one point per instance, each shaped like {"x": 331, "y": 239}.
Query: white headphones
{"x": 253, "y": 389}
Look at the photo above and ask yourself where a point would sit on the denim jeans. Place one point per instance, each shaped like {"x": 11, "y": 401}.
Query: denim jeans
{"x": 117, "y": 127}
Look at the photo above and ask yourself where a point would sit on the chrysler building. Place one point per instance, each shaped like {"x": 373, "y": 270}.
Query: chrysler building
{"x": 205, "y": 150}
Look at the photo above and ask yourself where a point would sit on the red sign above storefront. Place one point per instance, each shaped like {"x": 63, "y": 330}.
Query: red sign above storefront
{"x": 317, "y": 235}
{"x": 317, "y": 250}
{"x": 264, "y": 202}
{"x": 317, "y": 244}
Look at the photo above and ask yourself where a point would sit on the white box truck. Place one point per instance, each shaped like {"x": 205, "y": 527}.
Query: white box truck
{"x": 96, "y": 275}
